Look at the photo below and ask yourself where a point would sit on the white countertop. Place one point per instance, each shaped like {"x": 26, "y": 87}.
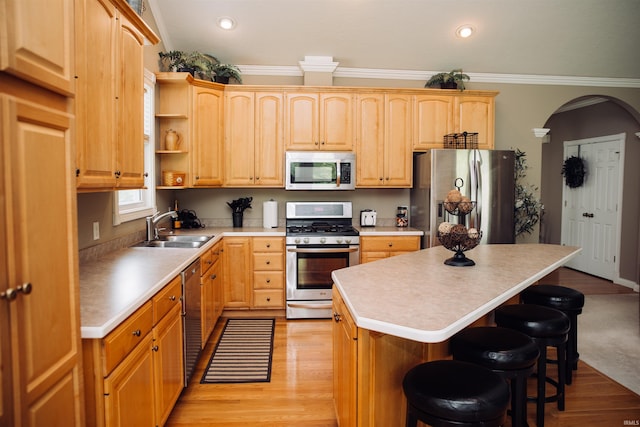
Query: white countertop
{"x": 417, "y": 297}
{"x": 117, "y": 284}
{"x": 389, "y": 231}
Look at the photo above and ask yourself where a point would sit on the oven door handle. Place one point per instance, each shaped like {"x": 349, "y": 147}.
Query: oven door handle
{"x": 323, "y": 250}
{"x": 313, "y": 306}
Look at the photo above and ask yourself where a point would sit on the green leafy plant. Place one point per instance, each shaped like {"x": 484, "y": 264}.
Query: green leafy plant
{"x": 527, "y": 208}
{"x": 451, "y": 80}
{"x": 227, "y": 71}
{"x": 200, "y": 65}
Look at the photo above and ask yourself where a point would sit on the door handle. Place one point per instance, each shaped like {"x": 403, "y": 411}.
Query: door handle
{"x": 587, "y": 215}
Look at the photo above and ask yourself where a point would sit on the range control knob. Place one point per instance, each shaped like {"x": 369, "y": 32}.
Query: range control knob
{"x": 348, "y": 241}
{"x": 338, "y": 240}
{"x": 306, "y": 240}
{"x": 297, "y": 240}
{"x": 323, "y": 240}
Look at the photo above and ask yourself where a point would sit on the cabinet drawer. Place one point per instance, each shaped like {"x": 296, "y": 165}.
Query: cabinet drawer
{"x": 268, "y": 261}
{"x": 268, "y": 244}
{"x": 268, "y": 280}
{"x": 268, "y": 298}
{"x": 206, "y": 261}
{"x": 166, "y": 299}
{"x": 215, "y": 252}
{"x": 390, "y": 243}
{"x": 126, "y": 336}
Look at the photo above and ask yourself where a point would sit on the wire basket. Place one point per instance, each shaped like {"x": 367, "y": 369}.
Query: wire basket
{"x": 461, "y": 140}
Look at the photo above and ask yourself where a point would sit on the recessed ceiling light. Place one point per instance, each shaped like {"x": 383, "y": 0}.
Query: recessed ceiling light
{"x": 226, "y": 23}
{"x": 465, "y": 31}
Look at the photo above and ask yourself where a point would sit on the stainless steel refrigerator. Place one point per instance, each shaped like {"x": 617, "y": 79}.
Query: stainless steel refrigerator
{"x": 485, "y": 176}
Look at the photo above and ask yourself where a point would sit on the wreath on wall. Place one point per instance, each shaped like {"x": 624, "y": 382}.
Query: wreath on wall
{"x": 574, "y": 171}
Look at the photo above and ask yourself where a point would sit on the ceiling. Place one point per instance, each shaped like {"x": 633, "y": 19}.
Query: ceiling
{"x": 571, "y": 38}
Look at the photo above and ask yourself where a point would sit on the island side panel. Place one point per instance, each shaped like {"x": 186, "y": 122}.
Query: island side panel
{"x": 382, "y": 362}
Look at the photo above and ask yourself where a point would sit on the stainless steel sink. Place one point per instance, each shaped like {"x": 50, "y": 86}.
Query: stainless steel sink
{"x": 184, "y": 238}
{"x": 176, "y": 241}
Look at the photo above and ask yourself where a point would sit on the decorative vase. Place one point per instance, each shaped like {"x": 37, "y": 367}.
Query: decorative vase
{"x": 237, "y": 219}
{"x": 171, "y": 140}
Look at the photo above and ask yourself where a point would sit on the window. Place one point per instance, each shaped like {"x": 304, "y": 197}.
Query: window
{"x": 134, "y": 204}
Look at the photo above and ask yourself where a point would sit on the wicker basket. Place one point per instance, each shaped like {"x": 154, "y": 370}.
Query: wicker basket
{"x": 173, "y": 178}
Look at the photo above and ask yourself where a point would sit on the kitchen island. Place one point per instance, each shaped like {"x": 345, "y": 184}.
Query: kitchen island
{"x": 393, "y": 314}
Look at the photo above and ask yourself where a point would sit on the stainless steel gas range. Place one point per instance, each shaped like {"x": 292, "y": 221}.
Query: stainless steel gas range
{"x": 320, "y": 238}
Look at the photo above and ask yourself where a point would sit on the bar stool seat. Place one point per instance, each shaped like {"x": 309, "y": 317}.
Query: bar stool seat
{"x": 448, "y": 393}
{"x": 570, "y": 302}
{"x": 548, "y": 327}
{"x": 507, "y": 352}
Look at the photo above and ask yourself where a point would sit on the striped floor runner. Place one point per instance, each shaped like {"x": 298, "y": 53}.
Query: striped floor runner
{"x": 243, "y": 353}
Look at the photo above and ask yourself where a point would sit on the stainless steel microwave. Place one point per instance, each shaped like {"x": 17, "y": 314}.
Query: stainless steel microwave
{"x": 318, "y": 170}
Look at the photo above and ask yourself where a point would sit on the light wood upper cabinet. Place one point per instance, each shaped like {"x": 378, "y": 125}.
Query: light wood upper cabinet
{"x": 254, "y": 149}
{"x": 433, "y": 119}
{"x": 207, "y": 134}
{"x": 384, "y": 135}
{"x": 476, "y": 114}
{"x": 110, "y": 96}
{"x": 439, "y": 115}
{"x": 38, "y": 45}
{"x": 319, "y": 121}
{"x": 40, "y": 377}
{"x": 96, "y": 93}
{"x": 130, "y": 106}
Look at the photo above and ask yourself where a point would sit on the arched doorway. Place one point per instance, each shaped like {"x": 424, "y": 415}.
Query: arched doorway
{"x": 590, "y": 117}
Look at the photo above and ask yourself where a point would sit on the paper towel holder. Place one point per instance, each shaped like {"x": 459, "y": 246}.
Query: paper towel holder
{"x": 270, "y": 214}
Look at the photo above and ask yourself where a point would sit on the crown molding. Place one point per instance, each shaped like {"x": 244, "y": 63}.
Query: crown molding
{"x": 371, "y": 73}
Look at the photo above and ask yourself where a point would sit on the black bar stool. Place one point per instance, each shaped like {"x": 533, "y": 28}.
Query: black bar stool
{"x": 507, "y": 352}
{"x": 451, "y": 393}
{"x": 570, "y": 302}
{"x": 549, "y": 328}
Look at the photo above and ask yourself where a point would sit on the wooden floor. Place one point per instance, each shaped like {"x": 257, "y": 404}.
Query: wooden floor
{"x": 300, "y": 391}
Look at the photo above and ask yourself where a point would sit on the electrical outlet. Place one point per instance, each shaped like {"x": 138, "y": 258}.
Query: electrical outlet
{"x": 96, "y": 230}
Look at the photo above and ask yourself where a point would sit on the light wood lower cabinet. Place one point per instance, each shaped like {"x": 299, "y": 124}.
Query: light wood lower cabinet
{"x": 211, "y": 290}
{"x": 134, "y": 375}
{"x": 236, "y": 262}
{"x": 345, "y": 352}
{"x": 373, "y": 248}
{"x": 253, "y": 272}
{"x": 40, "y": 375}
{"x": 268, "y": 272}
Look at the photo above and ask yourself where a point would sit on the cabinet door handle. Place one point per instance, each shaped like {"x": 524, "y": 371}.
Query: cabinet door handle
{"x": 213, "y": 276}
{"x": 268, "y": 299}
{"x": 172, "y": 297}
{"x": 268, "y": 262}
{"x": 137, "y": 332}
{"x": 11, "y": 294}
{"x": 268, "y": 245}
{"x": 268, "y": 280}
{"x": 337, "y": 317}
{"x": 390, "y": 244}
{"x": 155, "y": 348}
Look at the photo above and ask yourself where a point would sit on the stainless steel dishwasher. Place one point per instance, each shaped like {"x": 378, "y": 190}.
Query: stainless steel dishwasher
{"x": 191, "y": 313}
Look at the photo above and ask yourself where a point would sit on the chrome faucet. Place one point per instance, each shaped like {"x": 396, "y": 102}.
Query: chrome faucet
{"x": 152, "y": 222}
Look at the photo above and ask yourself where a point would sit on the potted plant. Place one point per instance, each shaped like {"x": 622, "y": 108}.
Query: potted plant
{"x": 200, "y": 65}
{"x": 224, "y": 72}
{"x": 451, "y": 80}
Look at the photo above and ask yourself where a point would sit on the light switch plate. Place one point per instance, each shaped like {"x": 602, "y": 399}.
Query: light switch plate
{"x": 96, "y": 230}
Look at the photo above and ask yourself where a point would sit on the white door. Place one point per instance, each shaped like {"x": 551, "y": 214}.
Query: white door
{"x": 591, "y": 212}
